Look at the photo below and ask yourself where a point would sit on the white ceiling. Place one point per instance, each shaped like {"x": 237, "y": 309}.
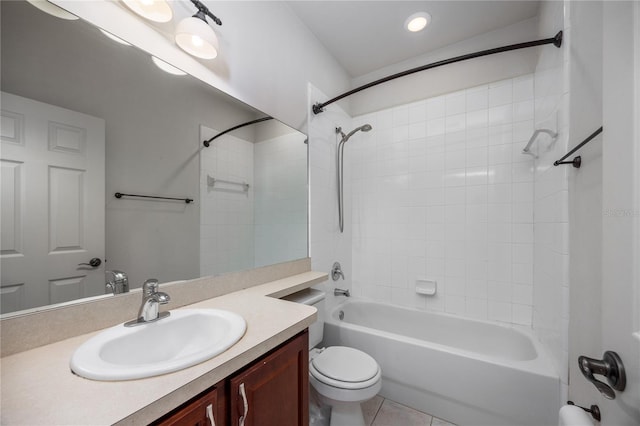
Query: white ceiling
{"x": 367, "y": 35}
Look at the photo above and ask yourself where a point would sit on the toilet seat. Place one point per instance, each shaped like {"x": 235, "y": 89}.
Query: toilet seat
{"x": 345, "y": 368}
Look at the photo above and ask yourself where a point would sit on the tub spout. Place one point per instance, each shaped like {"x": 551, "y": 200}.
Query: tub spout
{"x": 341, "y": 292}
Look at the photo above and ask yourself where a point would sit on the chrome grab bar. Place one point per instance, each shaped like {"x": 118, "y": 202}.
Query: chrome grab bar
{"x": 527, "y": 148}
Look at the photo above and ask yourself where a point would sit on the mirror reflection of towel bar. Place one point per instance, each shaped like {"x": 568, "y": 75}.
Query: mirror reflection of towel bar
{"x": 120, "y": 195}
{"x": 211, "y": 181}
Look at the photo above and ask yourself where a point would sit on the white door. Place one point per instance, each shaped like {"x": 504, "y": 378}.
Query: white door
{"x": 53, "y": 202}
{"x": 621, "y": 202}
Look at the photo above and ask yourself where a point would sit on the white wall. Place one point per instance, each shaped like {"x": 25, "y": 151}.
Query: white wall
{"x": 266, "y": 59}
{"x": 621, "y": 201}
{"x": 551, "y": 217}
{"x": 585, "y": 192}
{"x": 442, "y": 192}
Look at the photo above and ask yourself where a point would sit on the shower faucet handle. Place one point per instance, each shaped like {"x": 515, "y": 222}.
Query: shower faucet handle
{"x": 336, "y": 271}
{"x": 611, "y": 367}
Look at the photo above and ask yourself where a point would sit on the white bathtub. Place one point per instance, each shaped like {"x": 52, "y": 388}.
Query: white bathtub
{"x": 466, "y": 371}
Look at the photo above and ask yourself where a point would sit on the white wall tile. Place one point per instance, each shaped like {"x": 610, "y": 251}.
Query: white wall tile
{"x": 455, "y": 304}
{"x": 521, "y": 314}
{"x": 478, "y": 98}
{"x": 500, "y": 115}
{"x": 455, "y": 103}
{"x": 441, "y": 193}
{"x": 501, "y": 93}
{"x": 436, "y": 108}
{"x": 499, "y": 311}
{"x": 499, "y": 154}
{"x": 418, "y": 111}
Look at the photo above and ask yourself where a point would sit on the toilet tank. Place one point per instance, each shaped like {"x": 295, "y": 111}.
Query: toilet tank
{"x": 312, "y": 297}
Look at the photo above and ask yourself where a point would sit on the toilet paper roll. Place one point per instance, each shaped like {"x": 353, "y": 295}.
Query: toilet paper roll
{"x": 570, "y": 415}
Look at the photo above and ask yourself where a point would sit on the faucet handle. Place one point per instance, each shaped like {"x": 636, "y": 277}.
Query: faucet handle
{"x": 150, "y": 287}
{"x": 336, "y": 271}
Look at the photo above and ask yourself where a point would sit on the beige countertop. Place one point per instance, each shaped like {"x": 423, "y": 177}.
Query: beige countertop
{"x": 38, "y": 388}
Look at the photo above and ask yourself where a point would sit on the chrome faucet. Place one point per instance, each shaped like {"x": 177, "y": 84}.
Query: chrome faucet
{"x": 341, "y": 292}
{"x": 336, "y": 271}
{"x": 119, "y": 283}
{"x": 151, "y": 301}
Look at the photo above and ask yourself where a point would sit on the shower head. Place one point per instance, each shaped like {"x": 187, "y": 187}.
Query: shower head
{"x": 364, "y": 128}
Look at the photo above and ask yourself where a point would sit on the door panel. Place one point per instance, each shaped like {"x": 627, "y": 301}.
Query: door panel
{"x": 11, "y": 208}
{"x": 66, "y": 216}
{"x": 53, "y": 197}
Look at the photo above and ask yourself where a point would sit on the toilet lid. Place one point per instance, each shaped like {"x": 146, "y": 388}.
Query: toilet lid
{"x": 345, "y": 364}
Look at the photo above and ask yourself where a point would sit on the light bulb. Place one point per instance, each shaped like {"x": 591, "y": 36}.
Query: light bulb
{"x": 197, "y": 38}
{"x": 417, "y": 22}
{"x": 197, "y": 41}
{"x": 153, "y": 10}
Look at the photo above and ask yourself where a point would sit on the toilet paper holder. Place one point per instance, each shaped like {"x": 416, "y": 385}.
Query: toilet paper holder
{"x": 594, "y": 410}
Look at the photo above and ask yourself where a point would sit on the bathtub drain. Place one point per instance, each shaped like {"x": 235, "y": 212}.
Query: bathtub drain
{"x": 341, "y": 315}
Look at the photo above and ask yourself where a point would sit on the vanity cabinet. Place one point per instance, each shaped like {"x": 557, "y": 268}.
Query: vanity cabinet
{"x": 272, "y": 391}
{"x": 208, "y": 408}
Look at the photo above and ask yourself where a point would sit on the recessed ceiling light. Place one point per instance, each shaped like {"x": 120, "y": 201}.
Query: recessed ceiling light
{"x": 417, "y": 22}
{"x": 166, "y": 67}
{"x": 114, "y": 38}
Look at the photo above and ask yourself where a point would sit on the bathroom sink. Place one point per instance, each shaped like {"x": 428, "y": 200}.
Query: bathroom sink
{"x": 185, "y": 338}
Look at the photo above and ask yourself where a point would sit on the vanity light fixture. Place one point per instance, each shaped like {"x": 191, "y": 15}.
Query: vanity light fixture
{"x": 195, "y": 36}
{"x": 417, "y": 22}
{"x": 53, "y": 10}
{"x": 114, "y": 38}
{"x": 153, "y": 10}
{"x": 166, "y": 67}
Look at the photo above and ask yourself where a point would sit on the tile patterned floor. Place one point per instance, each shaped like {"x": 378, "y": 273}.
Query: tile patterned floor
{"x": 384, "y": 412}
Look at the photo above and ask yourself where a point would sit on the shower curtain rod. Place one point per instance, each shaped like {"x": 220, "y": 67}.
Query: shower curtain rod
{"x": 556, "y": 41}
{"x": 259, "y": 120}
{"x": 577, "y": 161}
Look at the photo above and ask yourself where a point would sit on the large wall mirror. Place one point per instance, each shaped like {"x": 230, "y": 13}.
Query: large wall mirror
{"x": 85, "y": 117}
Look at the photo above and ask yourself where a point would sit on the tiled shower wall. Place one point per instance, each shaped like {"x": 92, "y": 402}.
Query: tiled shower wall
{"x": 441, "y": 191}
{"x": 226, "y": 212}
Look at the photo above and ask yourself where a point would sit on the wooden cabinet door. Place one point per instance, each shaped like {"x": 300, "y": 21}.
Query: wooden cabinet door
{"x": 207, "y": 409}
{"x": 275, "y": 390}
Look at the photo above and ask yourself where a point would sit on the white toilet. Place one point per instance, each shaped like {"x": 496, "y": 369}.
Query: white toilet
{"x": 343, "y": 377}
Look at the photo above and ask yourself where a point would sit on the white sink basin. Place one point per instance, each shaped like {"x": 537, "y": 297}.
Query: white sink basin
{"x": 185, "y": 338}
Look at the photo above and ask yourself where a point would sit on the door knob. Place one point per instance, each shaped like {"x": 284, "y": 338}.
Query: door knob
{"x": 94, "y": 263}
{"x": 611, "y": 367}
